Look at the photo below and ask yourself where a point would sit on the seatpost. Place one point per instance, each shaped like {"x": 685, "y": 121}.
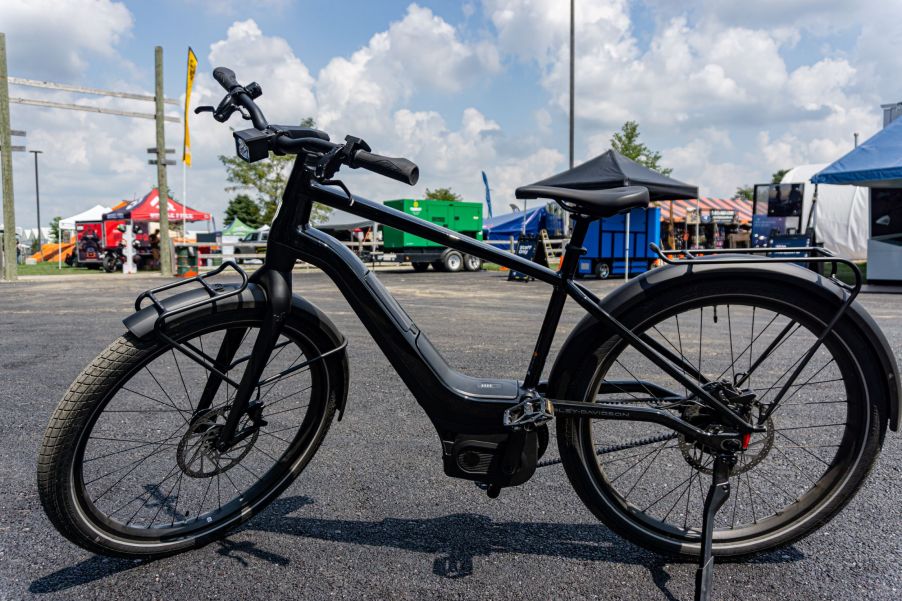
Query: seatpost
{"x": 572, "y": 252}
{"x": 574, "y": 249}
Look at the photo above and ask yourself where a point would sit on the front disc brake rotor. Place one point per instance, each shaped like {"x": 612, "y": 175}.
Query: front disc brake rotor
{"x": 197, "y": 455}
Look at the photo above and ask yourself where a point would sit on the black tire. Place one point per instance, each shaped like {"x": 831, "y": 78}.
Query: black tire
{"x": 110, "y": 262}
{"x": 420, "y": 267}
{"x": 452, "y": 261}
{"x": 472, "y": 263}
{"x": 594, "y": 473}
{"x": 61, "y": 475}
{"x": 602, "y": 270}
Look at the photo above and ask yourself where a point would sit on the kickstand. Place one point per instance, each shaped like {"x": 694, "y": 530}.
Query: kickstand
{"x": 717, "y": 496}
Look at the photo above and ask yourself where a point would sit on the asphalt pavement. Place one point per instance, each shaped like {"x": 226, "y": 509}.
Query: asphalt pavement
{"x": 373, "y": 516}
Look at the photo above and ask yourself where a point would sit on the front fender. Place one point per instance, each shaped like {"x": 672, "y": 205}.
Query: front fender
{"x": 312, "y": 322}
{"x": 661, "y": 280}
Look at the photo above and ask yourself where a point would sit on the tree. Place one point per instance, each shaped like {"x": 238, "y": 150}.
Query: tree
{"x": 777, "y": 177}
{"x": 55, "y": 229}
{"x": 245, "y": 210}
{"x": 626, "y": 142}
{"x": 266, "y": 181}
{"x": 745, "y": 192}
{"x": 442, "y": 194}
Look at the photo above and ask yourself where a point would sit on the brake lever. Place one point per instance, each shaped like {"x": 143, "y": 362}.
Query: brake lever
{"x": 204, "y": 109}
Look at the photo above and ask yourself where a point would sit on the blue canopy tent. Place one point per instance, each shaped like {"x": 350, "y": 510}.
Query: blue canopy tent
{"x": 876, "y": 164}
{"x": 504, "y": 226}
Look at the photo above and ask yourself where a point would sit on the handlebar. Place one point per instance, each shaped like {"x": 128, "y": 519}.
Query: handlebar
{"x": 399, "y": 169}
{"x": 226, "y": 78}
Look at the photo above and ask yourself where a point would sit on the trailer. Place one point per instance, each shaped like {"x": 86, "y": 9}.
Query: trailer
{"x": 462, "y": 217}
{"x": 606, "y": 244}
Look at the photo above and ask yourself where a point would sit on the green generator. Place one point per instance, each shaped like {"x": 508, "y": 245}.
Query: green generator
{"x": 462, "y": 217}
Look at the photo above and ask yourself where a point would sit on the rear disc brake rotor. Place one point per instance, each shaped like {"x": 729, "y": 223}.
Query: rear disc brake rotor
{"x": 758, "y": 449}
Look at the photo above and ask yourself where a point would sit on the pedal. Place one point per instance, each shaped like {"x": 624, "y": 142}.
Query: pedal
{"x": 528, "y": 414}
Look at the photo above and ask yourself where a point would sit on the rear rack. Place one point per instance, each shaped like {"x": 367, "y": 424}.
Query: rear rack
{"x": 748, "y": 255}
{"x": 216, "y": 293}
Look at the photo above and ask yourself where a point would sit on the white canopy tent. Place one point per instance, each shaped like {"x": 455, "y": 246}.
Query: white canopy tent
{"x": 95, "y": 213}
{"x": 840, "y": 216}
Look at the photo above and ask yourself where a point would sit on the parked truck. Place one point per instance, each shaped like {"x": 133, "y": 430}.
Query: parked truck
{"x": 462, "y": 217}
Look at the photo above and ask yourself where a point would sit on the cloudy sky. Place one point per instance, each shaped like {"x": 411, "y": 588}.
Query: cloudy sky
{"x": 728, "y": 91}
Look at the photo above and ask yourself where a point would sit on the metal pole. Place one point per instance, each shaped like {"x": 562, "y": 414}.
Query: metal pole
{"x": 6, "y": 172}
{"x": 37, "y": 196}
{"x": 162, "y": 186}
{"x": 626, "y": 241}
{"x": 572, "y": 102}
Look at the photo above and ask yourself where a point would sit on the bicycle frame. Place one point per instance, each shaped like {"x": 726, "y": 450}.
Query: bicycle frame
{"x": 455, "y": 403}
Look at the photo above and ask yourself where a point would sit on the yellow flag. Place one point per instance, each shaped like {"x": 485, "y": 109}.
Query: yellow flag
{"x": 192, "y": 69}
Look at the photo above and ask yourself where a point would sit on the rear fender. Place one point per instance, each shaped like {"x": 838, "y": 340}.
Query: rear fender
{"x": 312, "y": 322}
{"x": 660, "y": 281}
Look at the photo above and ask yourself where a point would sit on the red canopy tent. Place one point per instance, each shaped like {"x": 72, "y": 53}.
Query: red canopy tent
{"x": 148, "y": 209}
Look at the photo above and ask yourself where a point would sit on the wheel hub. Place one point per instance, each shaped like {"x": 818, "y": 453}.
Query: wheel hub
{"x": 745, "y": 404}
{"x": 197, "y": 455}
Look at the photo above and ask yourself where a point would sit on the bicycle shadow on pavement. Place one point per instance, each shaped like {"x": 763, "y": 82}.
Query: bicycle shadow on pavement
{"x": 457, "y": 541}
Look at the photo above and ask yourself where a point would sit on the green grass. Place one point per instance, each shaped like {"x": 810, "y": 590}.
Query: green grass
{"x": 52, "y": 268}
{"x": 844, "y": 272}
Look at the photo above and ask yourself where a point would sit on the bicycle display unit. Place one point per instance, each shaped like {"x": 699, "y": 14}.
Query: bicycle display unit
{"x": 722, "y": 405}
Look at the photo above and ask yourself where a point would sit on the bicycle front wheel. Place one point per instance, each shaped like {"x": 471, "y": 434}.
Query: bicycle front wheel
{"x": 128, "y": 465}
{"x": 648, "y": 483}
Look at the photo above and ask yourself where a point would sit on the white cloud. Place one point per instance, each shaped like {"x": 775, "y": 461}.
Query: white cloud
{"x": 287, "y": 84}
{"x": 705, "y": 65}
{"x": 56, "y": 39}
{"x": 727, "y": 91}
{"x": 419, "y": 52}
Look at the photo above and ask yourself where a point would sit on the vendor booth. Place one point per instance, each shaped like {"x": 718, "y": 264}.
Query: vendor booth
{"x": 877, "y": 165}
{"x": 839, "y": 217}
{"x": 613, "y": 170}
{"x": 531, "y": 222}
{"x": 142, "y": 216}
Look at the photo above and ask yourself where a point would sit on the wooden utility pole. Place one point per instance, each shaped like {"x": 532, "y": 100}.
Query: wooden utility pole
{"x": 162, "y": 185}
{"x": 6, "y": 172}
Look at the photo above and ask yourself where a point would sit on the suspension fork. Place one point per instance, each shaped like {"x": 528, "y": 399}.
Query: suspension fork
{"x": 277, "y": 285}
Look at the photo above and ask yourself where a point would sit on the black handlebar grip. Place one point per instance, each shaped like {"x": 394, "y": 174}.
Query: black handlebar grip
{"x": 225, "y": 77}
{"x": 395, "y": 168}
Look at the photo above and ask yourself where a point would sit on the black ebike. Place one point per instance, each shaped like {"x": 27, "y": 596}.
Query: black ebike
{"x": 718, "y": 405}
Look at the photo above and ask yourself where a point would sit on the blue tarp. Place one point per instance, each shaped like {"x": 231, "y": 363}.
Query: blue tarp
{"x": 876, "y": 163}
{"x": 504, "y": 226}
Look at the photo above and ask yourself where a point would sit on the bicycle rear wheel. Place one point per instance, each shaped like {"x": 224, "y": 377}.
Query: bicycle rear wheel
{"x": 127, "y": 466}
{"x": 648, "y": 483}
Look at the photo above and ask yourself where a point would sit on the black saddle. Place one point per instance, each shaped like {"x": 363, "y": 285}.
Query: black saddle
{"x": 595, "y": 203}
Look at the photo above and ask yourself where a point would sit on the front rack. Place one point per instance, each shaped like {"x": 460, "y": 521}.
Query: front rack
{"x": 744, "y": 256}
{"x": 215, "y": 291}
